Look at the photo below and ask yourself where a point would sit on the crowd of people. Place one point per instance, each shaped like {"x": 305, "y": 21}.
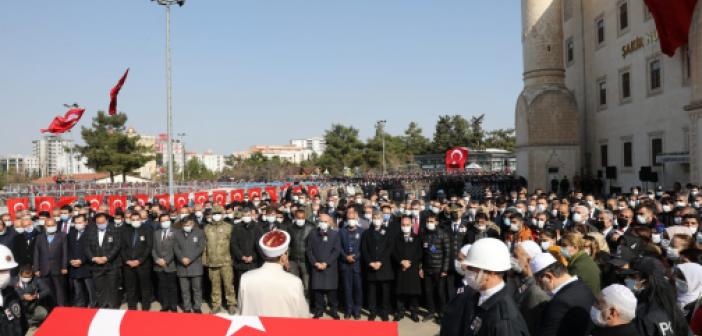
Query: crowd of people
{"x": 489, "y": 263}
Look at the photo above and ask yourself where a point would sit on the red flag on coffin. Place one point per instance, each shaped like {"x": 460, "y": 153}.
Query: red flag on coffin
{"x": 164, "y": 200}
{"x": 237, "y": 195}
{"x": 62, "y": 124}
{"x": 201, "y": 197}
{"x": 673, "y": 20}
{"x": 94, "y": 201}
{"x": 180, "y": 200}
{"x": 219, "y": 197}
{"x": 272, "y": 193}
{"x": 117, "y": 202}
{"x": 142, "y": 199}
{"x": 456, "y": 158}
{"x": 15, "y": 205}
{"x": 44, "y": 203}
{"x": 115, "y": 91}
{"x": 93, "y": 322}
{"x": 67, "y": 200}
{"x": 254, "y": 192}
{"x": 312, "y": 191}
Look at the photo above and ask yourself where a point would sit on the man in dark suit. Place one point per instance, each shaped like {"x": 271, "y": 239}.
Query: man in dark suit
{"x": 457, "y": 230}
{"x": 102, "y": 248}
{"x": 23, "y": 243}
{"x": 137, "y": 242}
{"x": 323, "y": 248}
{"x": 51, "y": 260}
{"x": 568, "y": 312}
{"x": 78, "y": 271}
{"x": 163, "y": 256}
{"x": 7, "y": 233}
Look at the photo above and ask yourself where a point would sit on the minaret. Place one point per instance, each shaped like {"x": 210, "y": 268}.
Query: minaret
{"x": 547, "y": 120}
{"x": 695, "y": 106}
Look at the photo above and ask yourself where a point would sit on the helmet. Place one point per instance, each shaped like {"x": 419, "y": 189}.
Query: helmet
{"x": 7, "y": 260}
{"x": 489, "y": 254}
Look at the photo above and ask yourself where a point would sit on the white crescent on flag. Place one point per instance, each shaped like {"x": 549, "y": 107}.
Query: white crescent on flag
{"x": 202, "y": 198}
{"x": 48, "y": 206}
{"x": 106, "y": 322}
{"x": 94, "y": 201}
{"x": 18, "y": 207}
{"x": 117, "y": 203}
{"x": 460, "y": 155}
{"x": 219, "y": 198}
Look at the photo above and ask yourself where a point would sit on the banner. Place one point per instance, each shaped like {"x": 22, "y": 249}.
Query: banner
{"x": 456, "y": 158}
{"x": 201, "y": 198}
{"x": 15, "y": 205}
{"x": 180, "y": 200}
{"x": 117, "y": 202}
{"x": 272, "y": 193}
{"x": 94, "y": 201}
{"x": 237, "y": 195}
{"x": 164, "y": 200}
{"x": 312, "y": 191}
{"x": 142, "y": 199}
{"x": 253, "y": 193}
{"x": 66, "y": 200}
{"x": 44, "y": 203}
{"x": 219, "y": 197}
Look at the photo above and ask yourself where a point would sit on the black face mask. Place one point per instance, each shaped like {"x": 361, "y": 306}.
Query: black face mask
{"x": 599, "y": 224}
{"x": 623, "y": 221}
{"x": 455, "y": 216}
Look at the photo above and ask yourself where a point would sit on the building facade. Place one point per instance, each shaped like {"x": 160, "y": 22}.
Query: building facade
{"x": 488, "y": 161}
{"x": 54, "y": 158}
{"x": 634, "y": 105}
{"x": 213, "y": 162}
{"x": 19, "y": 164}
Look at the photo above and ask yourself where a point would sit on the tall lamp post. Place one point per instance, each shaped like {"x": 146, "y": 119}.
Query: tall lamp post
{"x": 181, "y": 136}
{"x": 169, "y": 92}
{"x": 381, "y": 127}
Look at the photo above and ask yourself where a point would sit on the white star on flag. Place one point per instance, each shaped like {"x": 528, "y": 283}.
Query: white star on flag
{"x": 238, "y": 322}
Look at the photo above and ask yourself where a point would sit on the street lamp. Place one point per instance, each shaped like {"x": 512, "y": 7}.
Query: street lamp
{"x": 181, "y": 136}
{"x": 169, "y": 91}
{"x": 381, "y": 125}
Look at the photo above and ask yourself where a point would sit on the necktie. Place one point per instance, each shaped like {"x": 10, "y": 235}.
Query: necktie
{"x": 455, "y": 227}
{"x": 134, "y": 238}
{"x": 415, "y": 227}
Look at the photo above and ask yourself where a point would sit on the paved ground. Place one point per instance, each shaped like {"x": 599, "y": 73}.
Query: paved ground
{"x": 406, "y": 326}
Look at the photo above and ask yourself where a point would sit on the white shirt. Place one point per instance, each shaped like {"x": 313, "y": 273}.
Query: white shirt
{"x": 557, "y": 289}
{"x": 101, "y": 236}
{"x": 488, "y": 293}
{"x": 606, "y": 231}
{"x": 271, "y": 291}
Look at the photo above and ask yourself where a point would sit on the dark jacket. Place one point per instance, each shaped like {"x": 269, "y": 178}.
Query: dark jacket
{"x": 244, "y": 243}
{"x": 324, "y": 247}
{"x": 531, "y": 300}
{"x": 35, "y": 286}
{"x": 298, "y": 240}
{"x": 652, "y": 320}
{"x": 620, "y": 330}
{"x": 137, "y": 247}
{"x": 76, "y": 251}
{"x": 110, "y": 248}
{"x": 407, "y": 248}
{"x": 351, "y": 246}
{"x": 50, "y": 259}
{"x": 568, "y": 312}
{"x": 474, "y": 234}
{"x": 189, "y": 245}
{"x": 377, "y": 245}
{"x": 457, "y": 238}
{"x": 435, "y": 248}
{"x": 8, "y": 237}
{"x": 461, "y": 307}
{"x": 498, "y": 316}
{"x": 23, "y": 247}
{"x": 13, "y": 320}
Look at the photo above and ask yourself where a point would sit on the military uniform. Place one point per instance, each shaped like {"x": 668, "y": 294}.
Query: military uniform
{"x": 218, "y": 259}
{"x": 13, "y": 321}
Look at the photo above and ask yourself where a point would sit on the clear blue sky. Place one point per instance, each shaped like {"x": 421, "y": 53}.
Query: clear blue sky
{"x": 259, "y": 71}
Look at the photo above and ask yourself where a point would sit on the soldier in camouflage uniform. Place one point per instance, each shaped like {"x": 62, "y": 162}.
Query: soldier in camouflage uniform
{"x": 219, "y": 260}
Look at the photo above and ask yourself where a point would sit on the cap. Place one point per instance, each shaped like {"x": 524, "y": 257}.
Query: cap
{"x": 621, "y": 298}
{"x": 629, "y": 248}
{"x": 541, "y": 261}
{"x": 274, "y": 243}
{"x": 648, "y": 266}
{"x": 217, "y": 209}
{"x": 531, "y": 248}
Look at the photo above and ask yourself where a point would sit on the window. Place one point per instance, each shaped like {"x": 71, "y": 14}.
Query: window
{"x": 623, "y": 16}
{"x": 686, "y": 65}
{"x": 656, "y": 149}
{"x": 627, "y": 154}
{"x": 570, "y": 51}
{"x": 603, "y": 156}
{"x": 602, "y": 93}
{"x": 626, "y": 85}
{"x": 600, "y": 30}
{"x": 654, "y": 76}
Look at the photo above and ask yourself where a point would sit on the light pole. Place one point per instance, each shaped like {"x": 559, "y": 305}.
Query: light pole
{"x": 169, "y": 92}
{"x": 381, "y": 127}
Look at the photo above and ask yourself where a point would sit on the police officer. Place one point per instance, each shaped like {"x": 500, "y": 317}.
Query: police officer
{"x": 218, "y": 259}
{"x": 12, "y": 319}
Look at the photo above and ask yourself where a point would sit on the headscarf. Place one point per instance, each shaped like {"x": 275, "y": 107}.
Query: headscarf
{"x": 693, "y": 276}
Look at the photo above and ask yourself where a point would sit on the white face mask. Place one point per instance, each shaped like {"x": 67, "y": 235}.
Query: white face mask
{"x": 4, "y": 279}
{"x": 246, "y": 219}
{"x": 300, "y": 222}
{"x": 596, "y": 317}
{"x": 183, "y": 216}
{"x": 136, "y": 224}
{"x": 352, "y": 223}
{"x": 279, "y": 219}
{"x": 25, "y": 280}
{"x": 323, "y": 226}
{"x": 270, "y": 219}
{"x": 641, "y": 219}
{"x": 198, "y": 214}
{"x": 377, "y": 222}
{"x": 19, "y": 230}
{"x": 188, "y": 229}
{"x": 217, "y": 217}
{"x": 545, "y": 245}
{"x": 80, "y": 227}
{"x": 431, "y": 226}
{"x": 368, "y": 216}
{"x": 514, "y": 227}
{"x": 458, "y": 266}
{"x": 406, "y": 229}
{"x": 51, "y": 229}
{"x": 473, "y": 279}
{"x": 166, "y": 225}
{"x": 577, "y": 217}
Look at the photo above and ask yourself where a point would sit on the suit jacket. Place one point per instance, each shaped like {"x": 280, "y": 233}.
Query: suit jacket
{"x": 137, "y": 247}
{"x": 8, "y": 237}
{"x": 23, "y": 247}
{"x": 324, "y": 247}
{"x": 50, "y": 258}
{"x": 163, "y": 248}
{"x": 189, "y": 245}
{"x": 568, "y": 312}
{"x": 76, "y": 251}
{"x": 110, "y": 248}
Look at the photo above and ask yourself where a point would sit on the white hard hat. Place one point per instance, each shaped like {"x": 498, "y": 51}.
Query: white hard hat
{"x": 531, "y": 248}
{"x": 7, "y": 260}
{"x": 489, "y": 254}
{"x": 541, "y": 261}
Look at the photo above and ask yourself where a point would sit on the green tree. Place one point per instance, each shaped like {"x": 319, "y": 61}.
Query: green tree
{"x": 501, "y": 138}
{"x": 108, "y": 148}
{"x": 415, "y": 142}
{"x": 477, "y": 134}
{"x": 196, "y": 170}
{"x": 343, "y": 149}
{"x": 451, "y": 131}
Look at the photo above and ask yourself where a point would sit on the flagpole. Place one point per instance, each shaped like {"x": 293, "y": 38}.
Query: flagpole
{"x": 169, "y": 105}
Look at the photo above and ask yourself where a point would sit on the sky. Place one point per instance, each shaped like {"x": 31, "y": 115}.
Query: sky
{"x": 259, "y": 71}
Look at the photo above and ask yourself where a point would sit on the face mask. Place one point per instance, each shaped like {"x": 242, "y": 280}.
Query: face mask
{"x": 246, "y": 219}
{"x": 182, "y": 216}
{"x": 564, "y": 252}
{"x": 102, "y": 227}
{"x": 57, "y": 219}
{"x": 516, "y": 267}
{"x": 377, "y": 222}
{"x": 540, "y": 208}
{"x": 473, "y": 279}
{"x": 51, "y": 229}
{"x": 656, "y": 238}
{"x": 677, "y": 220}
{"x": 457, "y": 265}
{"x": 406, "y": 229}
{"x": 506, "y": 222}
{"x": 359, "y": 201}
{"x": 166, "y": 225}
{"x": 187, "y": 229}
{"x": 19, "y": 230}
{"x": 693, "y": 229}
{"x": 323, "y": 226}
{"x": 672, "y": 254}
{"x": 415, "y": 213}
{"x": 270, "y": 219}
{"x": 481, "y": 228}
{"x": 641, "y": 219}
{"x": 300, "y": 222}
{"x": 198, "y": 214}
{"x": 386, "y": 217}
{"x": 632, "y": 285}
{"x": 540, "y": 224}
{"x": 435, "y": 210}
{"x": 472, "y": 211}
{"x": 554, "y": 213}
{"x": 80, "y": 227}
{"x": 40, "y": 222}
{"x": 632, "y": 204}
{"x": 696, "y": 204}
{"x": 64, "y": 217}
{"x": 681, "y": 285}
{"x": 596, "y": 317}
{"x": 531, "y": 208}
{"x": 545, "y": 245}
{"x": 8, "y": 223}
{"x": 136, "y": 224}
{"x": 217, "y": 217}
{"x": 279, "y": 219}
{"x": 694, "y": 192}
{"x": 577, "y": 217}
{"x": 368, "y": 216}
{"x": 667, "y": 208}
{"x": 118, "y": 222}
{"x": 25, "y": 280}
{"x": 514, "y": 227}
{"x": 4, "y": 279}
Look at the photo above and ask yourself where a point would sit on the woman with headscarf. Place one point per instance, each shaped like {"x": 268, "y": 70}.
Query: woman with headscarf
{"x": 688, "y": 284}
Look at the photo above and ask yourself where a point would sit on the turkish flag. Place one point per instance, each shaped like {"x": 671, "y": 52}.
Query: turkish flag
{"x": 181, "y": 200}
{"x": 219, "y": 197}
{"x": 66, "y": 200}
{"x": 254, "y": 192}
{"x": 164, "y": 200}
{"x": 312, "y": 191}
{"x": 115, "y": 91}
{"x": 93, "y": 322}
{"x": 44, "y": 203}
{"x": 272, "y": 193}
{"x": 673, "y": 19}
{"x": 142, "y": 199}
{"x": 237, "y": 195}
{"x": 456, "y": 158}
{"x": 201, "y": 197}
{"x": 15, "y": 205}
{"x": 94, "y": 201}
{"x": 286, "y": 185}
{"x": 62, "y": 124}
{"x": 117, "y": 202}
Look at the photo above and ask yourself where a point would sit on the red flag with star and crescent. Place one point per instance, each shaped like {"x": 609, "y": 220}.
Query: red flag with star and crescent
{"x": 44, "y": 203}
{"x": 65, "y": 123}
{"x": 94, "y": 201}
{"x": 272, "y": 192}
{"x": 164, "y": 200}
{"x": 219, "y": 197}
{"x": 142, "y": 199}
{"x": 117, "y": 202}
{"x": 180, "y": 200}
{"x": 201, "y": 197}
{"x": 673, "y": 20}
{"x": 312, "y": 191}
{"x": 66, "y": 200}
{"x": 253, "y": 192}
{"x": 237, "y": 195}
{"x": 15, "y": 205}
{"x": 456, "y": 158}
{"x": 115, "y": 91}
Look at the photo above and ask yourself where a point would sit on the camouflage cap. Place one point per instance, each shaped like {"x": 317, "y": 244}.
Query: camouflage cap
{"x": 217, "y": 209}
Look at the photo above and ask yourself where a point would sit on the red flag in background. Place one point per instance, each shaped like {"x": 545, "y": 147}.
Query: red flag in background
{"x": 64, "y": 124}
{"x": 180, "y": 200}
{"x": 44, "y": 203}
{"x": 115, "y": 91}
{"x": 272, "y": 193}
{"x": 66, "y": 200}
{"x": 456, "y": 158}
{"x": 254, "y": 192}
{"x": 673, "y": 19}
{"x": 297, "y": 189}
{"x": 94, "y": 201}
{"x": 312, "y": 191}
{"x": 201, "y": 197}
{"x": 142, "y": 199}
{"x": 164, "y": 200}
{"x": 237, "y": 195}
{"x": 219, "y": 197}
{"x": 117, "y": 202}
{"x": 15, "y": 205}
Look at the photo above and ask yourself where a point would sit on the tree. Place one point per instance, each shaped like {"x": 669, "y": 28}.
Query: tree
{"x": 415, "y": 142}
{"x": 451, "y": 131}
{"x": 343, "y": 149}
{"x": 477, "y": 134}
{"x": 108, "y": 148}
{"x": 501, "y": 138}
{"x": 196, "y": 170}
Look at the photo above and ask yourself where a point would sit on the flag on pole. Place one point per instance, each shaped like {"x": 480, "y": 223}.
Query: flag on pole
{"x": 142, "y": 199}
{"x": 181, "y": 200}
{"x": 66, "y": 200}
{"x": 673, "y": 20}
{"x": 115, "y": 91}
{"x": 164, "y": 200}
{"x": 237, "y": 195}
{"x": 272, "y": 193}
{"x": 62, "y": 124}
{"x": 117, "y": 202}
